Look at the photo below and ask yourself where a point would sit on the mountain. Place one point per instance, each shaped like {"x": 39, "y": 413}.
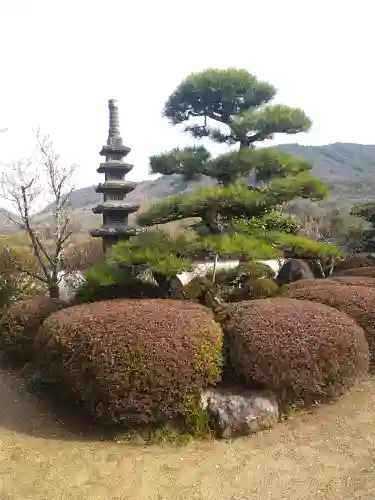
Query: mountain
{"x": 83, "y": 200}
{"x": 6, "y": 225}
{"x": 347, "y": 169}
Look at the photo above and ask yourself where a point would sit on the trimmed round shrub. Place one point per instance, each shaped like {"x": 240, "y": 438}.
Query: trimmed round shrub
{"x": 300, "y": 350}
{"x": 300, "y": 284}
{"x": 356, "y": 301}
{"x": 20, "y": 322}
{"x": 132, "y": 362}
{"x": 353, "y": 262}
{"x": 199, "y": 287}
{"x": 354, "y": 280}
{"x": 359, "y": 271}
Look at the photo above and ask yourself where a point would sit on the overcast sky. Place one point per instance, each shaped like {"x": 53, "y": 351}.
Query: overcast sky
{"x": 62, "y": 60}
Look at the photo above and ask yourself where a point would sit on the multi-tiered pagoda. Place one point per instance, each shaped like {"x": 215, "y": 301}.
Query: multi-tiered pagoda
{"x": 114, "y": 208}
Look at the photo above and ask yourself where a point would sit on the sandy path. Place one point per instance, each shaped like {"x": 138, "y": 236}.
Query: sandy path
{"x": 329, "y": 454}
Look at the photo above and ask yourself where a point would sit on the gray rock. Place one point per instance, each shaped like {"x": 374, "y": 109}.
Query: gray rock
{"x": 293, "y": 270}
{"x": 239, "y": 412}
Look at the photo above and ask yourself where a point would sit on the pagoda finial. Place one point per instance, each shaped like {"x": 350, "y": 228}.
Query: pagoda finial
{"x": 114, "y": 136}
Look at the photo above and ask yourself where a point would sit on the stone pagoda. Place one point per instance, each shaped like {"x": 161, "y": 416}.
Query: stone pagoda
{"x": 114, "y": 208}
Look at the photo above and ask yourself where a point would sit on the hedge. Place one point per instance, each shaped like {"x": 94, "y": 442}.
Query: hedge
{"x": 331, "y": 281}
{"x": 20, "y": 322}
{"x": 359, "y": 271}
{"x": 356, "y": 301}
{"x": 354, "y": 280}
{"x": 132, "y": 362}
{"x": 300, "y": 350}
{"x": 309, "y": 283}
{"x": 353, "y": 262}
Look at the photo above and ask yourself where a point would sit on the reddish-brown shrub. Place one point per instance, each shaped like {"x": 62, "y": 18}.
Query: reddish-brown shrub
{"x": 354, "y": 280}
{"x": 20, "y": 323}
{"x": 132, "y": 362}
{"x": 353, "y": 262}
{"x": 356, "y": 301}
{"x": 359, "y": 271}
{"x": 316, "y": 283}
{"x": 301, "y": 350}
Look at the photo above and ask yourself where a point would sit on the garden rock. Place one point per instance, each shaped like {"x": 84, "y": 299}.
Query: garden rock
{"x": 293, "y": 270}
{"x": 239, "y": 412}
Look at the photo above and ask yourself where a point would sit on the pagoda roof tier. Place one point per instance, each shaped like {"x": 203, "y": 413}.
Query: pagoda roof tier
{"x": 114, "y": 230}
{"x": 116, "y": 206}
{"x": 108, "y": 186}
{"x": 115, "y": 165}
{"x": 114, "y": 149}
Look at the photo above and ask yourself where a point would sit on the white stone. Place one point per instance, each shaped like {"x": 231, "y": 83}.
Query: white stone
{"x": 68, "y": 284}
{"x": 239, "y": 412}
{"x": 203, "y": 267}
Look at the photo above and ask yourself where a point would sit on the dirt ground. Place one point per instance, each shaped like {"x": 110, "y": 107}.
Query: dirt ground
{"x": 328, "y": 454}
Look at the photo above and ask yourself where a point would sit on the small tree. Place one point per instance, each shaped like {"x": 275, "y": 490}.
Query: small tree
{"x": 26, "y": 184}
{"x": 232, "y": 107}
{"x": 242, "y": 214}
{"x": 82, "y": 253}
{"x": 15, "y": 284}
{"x": 366, "y": 211}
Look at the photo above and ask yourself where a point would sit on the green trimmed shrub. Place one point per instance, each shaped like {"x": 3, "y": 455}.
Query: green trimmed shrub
{"x": 300, "y": 350}
{"x": 359, "y": 271}
{"x": 133, "y": 288}
{"x": 201, "y": 289}
{"x": 253, "y": 289}
{"x": 20, "y": 323}
{"x": 242, "y": 272}
{"x": 132, "y": 362}
{"x": 356, "y": 301}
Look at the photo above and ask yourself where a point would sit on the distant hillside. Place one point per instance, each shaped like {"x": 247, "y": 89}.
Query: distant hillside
{"x": 348, "y": 170}
{"x": 147, "y": 192}
{"x": 6, "y": 225}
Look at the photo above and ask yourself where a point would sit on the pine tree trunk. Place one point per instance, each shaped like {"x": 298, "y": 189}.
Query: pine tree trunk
{"x": 53, "y": 290}
{"x": 215, "y": 268}
{"x": 171, "y": 286}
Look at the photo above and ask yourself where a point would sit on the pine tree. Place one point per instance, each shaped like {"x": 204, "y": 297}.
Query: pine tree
{"x": 241, "y": 214}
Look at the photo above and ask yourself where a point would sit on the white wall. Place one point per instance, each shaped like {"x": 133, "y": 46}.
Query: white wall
{"x": 203, "y": 268}
{"x": 68, "y": 285}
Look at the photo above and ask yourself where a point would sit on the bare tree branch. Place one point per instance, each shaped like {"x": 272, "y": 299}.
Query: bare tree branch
{"x": 25, "y": 185}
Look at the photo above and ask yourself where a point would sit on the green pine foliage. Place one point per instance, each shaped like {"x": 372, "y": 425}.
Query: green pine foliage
{"x": 188, "y": 162}
{"x": 234, "y": 217}
{"x": 236, "y": 98}
{"x": 274, "y": 221}
{"x": 235, "y": 198}
{"x": 158, "y": 250}
{"x": 301, "y": 245}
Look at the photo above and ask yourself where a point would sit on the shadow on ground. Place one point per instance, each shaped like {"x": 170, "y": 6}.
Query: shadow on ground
{"x": 324, "y": 455}
{"x": 40, "y": 415}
